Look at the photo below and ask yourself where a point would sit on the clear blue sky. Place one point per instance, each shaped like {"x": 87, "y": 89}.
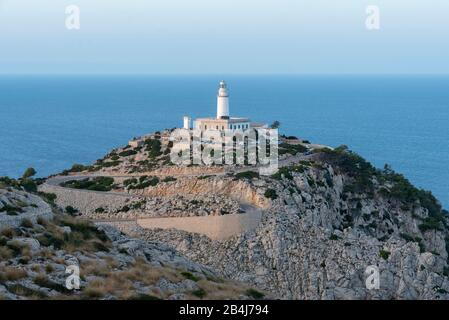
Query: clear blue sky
{"x": 226, "y": 36}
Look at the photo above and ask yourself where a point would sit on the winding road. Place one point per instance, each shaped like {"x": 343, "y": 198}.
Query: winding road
{"x": 215, "y": 227}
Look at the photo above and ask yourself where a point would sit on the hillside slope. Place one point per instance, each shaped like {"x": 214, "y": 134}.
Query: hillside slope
{"x": 327, "y": 216}
{"x": 38, "y": 242}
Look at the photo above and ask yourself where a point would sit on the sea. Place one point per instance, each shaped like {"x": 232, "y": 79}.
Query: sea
{"x": 50, "y": 122}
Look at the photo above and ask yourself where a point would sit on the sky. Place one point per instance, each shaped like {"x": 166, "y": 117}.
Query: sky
{"x": 224, "y": 37}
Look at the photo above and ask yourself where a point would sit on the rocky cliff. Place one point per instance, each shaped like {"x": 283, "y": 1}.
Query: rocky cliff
{"x": 330, "y": 218}
{"x": 327, "y": 217}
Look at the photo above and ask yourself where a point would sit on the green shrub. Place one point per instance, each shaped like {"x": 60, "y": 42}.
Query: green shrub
{"x": 190, "y": 276}
{"x": 95, "y": 184}
{"x": 168, "y": 179}
{"x": 271, "y": 194}
{"x": 28, "y": 184}
{"x": 247, "y": 175}
{"x": 334, "y": 237}
{"x": 48, "y": 197}
{"x": 28, "y": 173}
{"x": 153, "y": 146}
{"x": 78, "y": 168}
{"x": 8, "y": 182}
{"x": 71, "y": 210}
{"x": 353, "y": 165}
{"x": 311, "y": 182}
{"x": 283, "y": 172}
{"x": 293, "y": 149}
{"x": 384, "y": 254}
{"x": 128, "y": 182}
{"x": 362, "y": 174}
{"x": 410, "y": 238}
{"x": 254, "y": 294}
{"x": 110, "y": 164}
{"x": 404, "y": 191}
{"x": 200, "y": 293}
{"x": 127, "y": 153}
{"x": 430, "y": 223}
{"x": 10, "y": 210}
{"x": 145, "y": 182}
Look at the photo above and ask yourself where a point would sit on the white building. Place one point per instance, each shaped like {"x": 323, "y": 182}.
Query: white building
{"x": 223, "y": 120}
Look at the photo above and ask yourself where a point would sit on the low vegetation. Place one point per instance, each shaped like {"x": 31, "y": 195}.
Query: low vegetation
{"x": 26, "y": 182}
{"x": 94, "y": 184}
{"x": 126, "y": 153}
{"x": 247, "y": 175}
{"x": 393, "y": 185}
{"x": 153, "y": 147}
{"x": 271, "y": 194}
{"x": 293, "y": 149}
{"x": 142, "y": 183}
{"x": 384, "y": 254}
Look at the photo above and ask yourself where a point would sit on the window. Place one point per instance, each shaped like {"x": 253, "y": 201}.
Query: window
{"x": 217, "y": 127}
{"x": 205, "y": 127}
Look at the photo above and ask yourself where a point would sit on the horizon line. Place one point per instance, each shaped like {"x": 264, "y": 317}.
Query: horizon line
{"x": 214, "y": 74}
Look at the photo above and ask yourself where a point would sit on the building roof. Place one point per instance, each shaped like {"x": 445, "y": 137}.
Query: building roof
{"x": 230, "y": 120}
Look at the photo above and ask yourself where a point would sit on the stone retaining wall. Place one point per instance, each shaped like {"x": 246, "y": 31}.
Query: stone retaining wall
{"x": 214, "y": 227}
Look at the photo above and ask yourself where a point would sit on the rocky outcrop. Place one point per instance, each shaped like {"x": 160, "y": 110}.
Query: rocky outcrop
{"x": 328, "y": 219}
{"x": 318, "y": 238}
{"x": 36, "y": 257}
{"x": 240, "y": 190}
{"x": 113, "y": 205}
{"x": 17, "y": 205}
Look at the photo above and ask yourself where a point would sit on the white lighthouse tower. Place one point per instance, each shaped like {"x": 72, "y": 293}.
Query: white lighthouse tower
{"x": 223, "y": 121}
{"x": 187, "y": 121}
{"x": 223, "y": 101}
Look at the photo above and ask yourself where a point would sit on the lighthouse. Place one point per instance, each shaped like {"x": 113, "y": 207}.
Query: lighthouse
{"x": 222, "y": 121}
{"x": 223, "y": 101}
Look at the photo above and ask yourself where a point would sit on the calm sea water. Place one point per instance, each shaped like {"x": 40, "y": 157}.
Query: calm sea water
{"x": 52, "y": 122}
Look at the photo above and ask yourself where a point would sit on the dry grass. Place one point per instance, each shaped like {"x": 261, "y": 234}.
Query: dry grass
{"x": 95, "y": 267}
{"x": 120, "y": 283}
{"x": 49, "y": 268}
{"x": 36, "y": 268}
{"x": 5, "y": 253}
{"x": 46, "y": 253}
{"x": 8, "y": 233}
{"x": 93, "y": 293}
{"x": 11, "y": 274}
